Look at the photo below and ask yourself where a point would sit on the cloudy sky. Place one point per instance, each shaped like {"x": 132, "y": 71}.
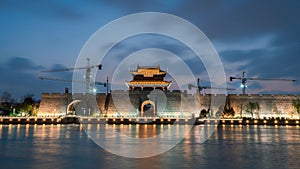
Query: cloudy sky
{"x": 261, "y": 38}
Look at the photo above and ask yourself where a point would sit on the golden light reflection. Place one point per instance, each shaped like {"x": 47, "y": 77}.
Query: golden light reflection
{"x": 0, "y": 130}
{"x": 9, "y": 128}
{"x": 89, "y": 127}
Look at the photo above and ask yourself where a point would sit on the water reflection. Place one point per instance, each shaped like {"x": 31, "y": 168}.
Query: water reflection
{"x": 67, "y": 146}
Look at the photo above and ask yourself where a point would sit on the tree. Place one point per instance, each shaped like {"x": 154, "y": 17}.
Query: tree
{"x": 228, "y": 112}
{"x": 252, "y": 108}
{"x": 296, "y": 105}
{"x": 28, "y": 105}
{"x": 7, "y": 102}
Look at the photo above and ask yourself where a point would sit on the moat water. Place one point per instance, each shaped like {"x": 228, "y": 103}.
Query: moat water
{"x": 69, "y": 147}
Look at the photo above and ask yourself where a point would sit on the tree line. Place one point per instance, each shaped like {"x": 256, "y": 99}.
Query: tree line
{"x": 9, "y": 106}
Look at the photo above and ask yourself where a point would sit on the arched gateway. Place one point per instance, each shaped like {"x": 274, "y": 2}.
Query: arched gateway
{"x": 146, "y": 102}
{"x": 71, "y": 106}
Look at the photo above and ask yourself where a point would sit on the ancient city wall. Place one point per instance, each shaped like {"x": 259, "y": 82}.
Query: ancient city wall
{"x": 54, "y": 104}
{"x": 129, "y": 103}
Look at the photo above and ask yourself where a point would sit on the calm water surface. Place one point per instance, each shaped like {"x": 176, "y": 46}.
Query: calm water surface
{"x": 67, "y": 146}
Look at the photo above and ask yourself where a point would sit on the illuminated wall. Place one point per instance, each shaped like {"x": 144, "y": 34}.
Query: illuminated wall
{"x": 124, "y": 103}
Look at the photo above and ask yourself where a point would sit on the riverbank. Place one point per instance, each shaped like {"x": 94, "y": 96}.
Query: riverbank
{"x": 144, "y": 120}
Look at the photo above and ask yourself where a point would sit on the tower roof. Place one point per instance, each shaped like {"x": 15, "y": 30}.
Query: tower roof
{"x": 148, "y": 71}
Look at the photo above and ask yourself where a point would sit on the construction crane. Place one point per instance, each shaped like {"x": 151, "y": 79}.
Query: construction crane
{"x": 245, "y": 79}
{"x": 200, "y": 88}
{"x": 88, "y": 83}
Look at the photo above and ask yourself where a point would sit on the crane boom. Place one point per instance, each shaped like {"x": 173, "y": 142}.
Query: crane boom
{"x": 289, "y": 80}
{"x": 244, "y": 80}
{"x": 88, "y": 69}
{"x": 64, "y": 80}
{"x": 190, "y": 86}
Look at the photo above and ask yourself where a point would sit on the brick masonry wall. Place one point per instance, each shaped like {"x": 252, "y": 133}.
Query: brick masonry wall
{"x": 125, "y": 102}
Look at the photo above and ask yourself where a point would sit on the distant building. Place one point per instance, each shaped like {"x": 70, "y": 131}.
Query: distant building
{"x": 146, "y": 78}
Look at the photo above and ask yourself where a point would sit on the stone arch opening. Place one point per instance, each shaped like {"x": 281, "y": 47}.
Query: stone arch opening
{"x": 71, "y": 110}
{"x": 148, "y": 110}
{"x": 203, "y": 113}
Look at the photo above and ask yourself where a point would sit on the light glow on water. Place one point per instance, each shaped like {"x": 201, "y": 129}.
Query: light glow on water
{"x": 67, "y": 146}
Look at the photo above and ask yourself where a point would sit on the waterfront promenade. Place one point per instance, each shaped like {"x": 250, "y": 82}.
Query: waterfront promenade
{"x": 144, "y": 120}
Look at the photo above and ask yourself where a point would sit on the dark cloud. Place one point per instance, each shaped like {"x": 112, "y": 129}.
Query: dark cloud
{"x": 19, "y": 76}
{"x": 128, "y": 46}
{"x": 21, "y": 64}
{"x": 259, "y": 37}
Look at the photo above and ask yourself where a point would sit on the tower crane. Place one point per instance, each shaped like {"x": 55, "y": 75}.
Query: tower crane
{"x": 245, "y": 79}
{"x": 200, "y": 88}
{"x": 88, "y": 68}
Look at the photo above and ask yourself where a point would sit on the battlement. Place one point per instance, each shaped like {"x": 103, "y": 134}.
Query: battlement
{"x": 175, "y": 93}
{"x": 53, "y": 94}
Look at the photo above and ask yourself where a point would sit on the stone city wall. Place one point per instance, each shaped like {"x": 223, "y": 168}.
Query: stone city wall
{"x": 129, "y": 103}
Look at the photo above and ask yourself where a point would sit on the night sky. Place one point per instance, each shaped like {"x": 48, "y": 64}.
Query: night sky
{"x": 259, "y": 37}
